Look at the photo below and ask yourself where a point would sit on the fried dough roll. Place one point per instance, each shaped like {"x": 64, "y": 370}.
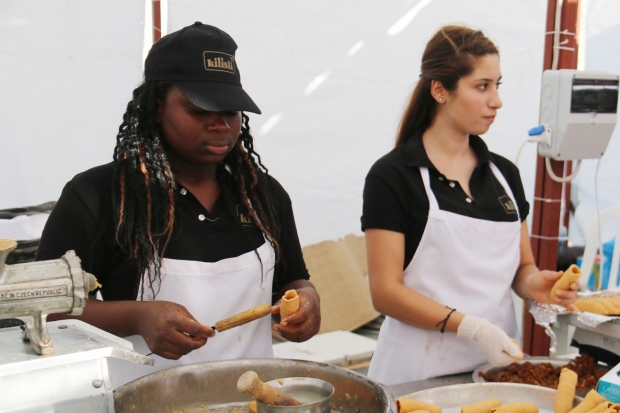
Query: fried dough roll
{"x": 589, "y": 402}
{"x": 252, "y": 407}
{"x": 483, "y": 406}
{"x": 590, "y": 306}
{"x": 517, "y": 407}
{"x": 610, "y": 308}
{"x": 572, "y": 274}
{"x": 601, "y": 407}
{"x": 566, "y": 391}
{"x": 406, "y": 405}
{"x": 289, "y": 304}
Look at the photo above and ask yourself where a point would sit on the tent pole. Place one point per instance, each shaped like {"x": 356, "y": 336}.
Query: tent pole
{"x": 156, "y": 20}
{"x": 546, "y": 209}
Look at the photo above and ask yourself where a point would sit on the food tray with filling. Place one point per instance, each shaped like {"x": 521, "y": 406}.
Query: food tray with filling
{"x": 585, "y": 365}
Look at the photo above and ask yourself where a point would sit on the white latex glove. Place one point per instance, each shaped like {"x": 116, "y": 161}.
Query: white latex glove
{"x": 499, "y": 349}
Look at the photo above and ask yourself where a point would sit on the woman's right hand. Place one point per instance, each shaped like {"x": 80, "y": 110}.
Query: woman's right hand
{"x": 499, "y": 349}
{"x": 169, "y": 330}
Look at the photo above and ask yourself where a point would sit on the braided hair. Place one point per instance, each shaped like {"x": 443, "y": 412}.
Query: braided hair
{"x": 143, "y": 196}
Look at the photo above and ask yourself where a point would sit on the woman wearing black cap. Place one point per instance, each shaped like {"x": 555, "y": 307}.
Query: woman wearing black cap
{"x": 445, "y": 224}
{"x": 185, "y": 227}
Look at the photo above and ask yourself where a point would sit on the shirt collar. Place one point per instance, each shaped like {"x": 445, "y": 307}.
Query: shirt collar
{"x": 415, "y": 154}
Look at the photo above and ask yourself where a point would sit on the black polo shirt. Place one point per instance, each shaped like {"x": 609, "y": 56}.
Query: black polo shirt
{"x": 82, "y": 220}
{"x": 395, "y": 198}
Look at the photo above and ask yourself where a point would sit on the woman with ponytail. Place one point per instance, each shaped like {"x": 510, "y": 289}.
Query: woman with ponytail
{"x": 185, "y": 227}
{"x": 445, "y": 224}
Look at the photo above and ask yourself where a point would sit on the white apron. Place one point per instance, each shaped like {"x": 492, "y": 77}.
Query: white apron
{"x": 461, "y": 262}
{"x": 212, "y": 292}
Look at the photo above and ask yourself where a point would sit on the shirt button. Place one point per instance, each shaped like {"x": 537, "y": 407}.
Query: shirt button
{"x": 183, "y": 191}
{"x": 451, "y": 184}
{"x": 201, "y": 217}
{"x": 468, "y": 200}
{"x": 441, "y": 178}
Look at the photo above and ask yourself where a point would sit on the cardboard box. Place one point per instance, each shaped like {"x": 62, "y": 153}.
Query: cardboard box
{"x": 339, "y": 272}
{"x": 609, "y": 385}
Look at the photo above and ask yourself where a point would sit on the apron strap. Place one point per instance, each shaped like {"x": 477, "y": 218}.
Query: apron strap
{"x": 432, "y": 201}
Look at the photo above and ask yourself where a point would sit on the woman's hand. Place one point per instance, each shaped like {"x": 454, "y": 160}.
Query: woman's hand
{"x": 499, "y": 349}
{"x": 532, "y": 283}
{"x": 169, "y": 330}
{"x": 541, "y": 283}
{"x": 305, "y": 322}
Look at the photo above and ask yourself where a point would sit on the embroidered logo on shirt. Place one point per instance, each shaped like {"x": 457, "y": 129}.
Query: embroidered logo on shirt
{"x": 244, "y": 218}
{"x": 508, "y": 205}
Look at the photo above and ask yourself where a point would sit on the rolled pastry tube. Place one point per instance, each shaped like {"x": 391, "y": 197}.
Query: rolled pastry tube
{"x": 252, "y": 407}
{"x": 420, "y": 411}
{"x": 589, "y": 402}
{"x": 590, "y": 306}
{"x": 289, "y": 304}
{"x": 616, "y": 302}
{"x": 483, "y": 406}
{"x": 517, "y": 407}
{"x": 609, "y": 306}
{"x": 406, "y": 405}
{"x": 571, "y": 275}
{"x": 601, "y": 407}
{"x": 565, "y": 394}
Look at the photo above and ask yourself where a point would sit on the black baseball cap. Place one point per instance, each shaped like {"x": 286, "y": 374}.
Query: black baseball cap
{"x": 200, "y": 60}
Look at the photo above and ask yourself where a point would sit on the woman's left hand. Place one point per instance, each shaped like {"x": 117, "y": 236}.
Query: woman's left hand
{"x": 541, "y": 284}
{"x": 305, "y": 322}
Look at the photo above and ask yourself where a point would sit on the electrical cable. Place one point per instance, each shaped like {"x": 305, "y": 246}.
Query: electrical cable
{"x": 564, "y": 178}
{"x": 600, "y": 233}
{"x": 520, "y": 150}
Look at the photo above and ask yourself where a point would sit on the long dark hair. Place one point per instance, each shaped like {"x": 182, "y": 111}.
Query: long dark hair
{"x": 449, "y": 55}
{"x": 143, "y": 197}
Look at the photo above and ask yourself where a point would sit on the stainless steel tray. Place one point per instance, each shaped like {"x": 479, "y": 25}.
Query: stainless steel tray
{"x": 451, "y": 398}
{"x": 489, "y": 369}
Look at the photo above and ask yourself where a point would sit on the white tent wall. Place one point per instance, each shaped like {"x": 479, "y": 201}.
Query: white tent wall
{"x": 601, "y": 30}
{"x": 66, "y": 74}
{"x": 332, "y": 79}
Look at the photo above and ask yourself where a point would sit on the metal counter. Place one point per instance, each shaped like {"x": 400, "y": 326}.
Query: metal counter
{"x": 402, "y": 389}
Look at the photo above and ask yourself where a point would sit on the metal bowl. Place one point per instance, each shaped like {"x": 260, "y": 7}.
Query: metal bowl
{"x": 292, "y": 386}
{"x": 213, "y": 385}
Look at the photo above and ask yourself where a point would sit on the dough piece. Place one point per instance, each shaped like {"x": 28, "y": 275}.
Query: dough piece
{"x": 289, "y": 304}
{"x": 590, "y": 306}
{"x": 517, "y": 407}
{"x": 601, "y": 407}
{"x": 405, "y": 405}
{"x": 571, "y": 275}
{"x": 609, "y": 306}
{"x": 566, "y": 391}
{"x": 616, "y": 302}
{"x": 589, "y": 402}
{"x": 252, "y": 407}
{"x": 483, "y": 406}
{"x": 420, "y": 411}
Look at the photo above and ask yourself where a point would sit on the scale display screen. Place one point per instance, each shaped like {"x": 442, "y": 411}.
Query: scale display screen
{"x": 594, "y": 95}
